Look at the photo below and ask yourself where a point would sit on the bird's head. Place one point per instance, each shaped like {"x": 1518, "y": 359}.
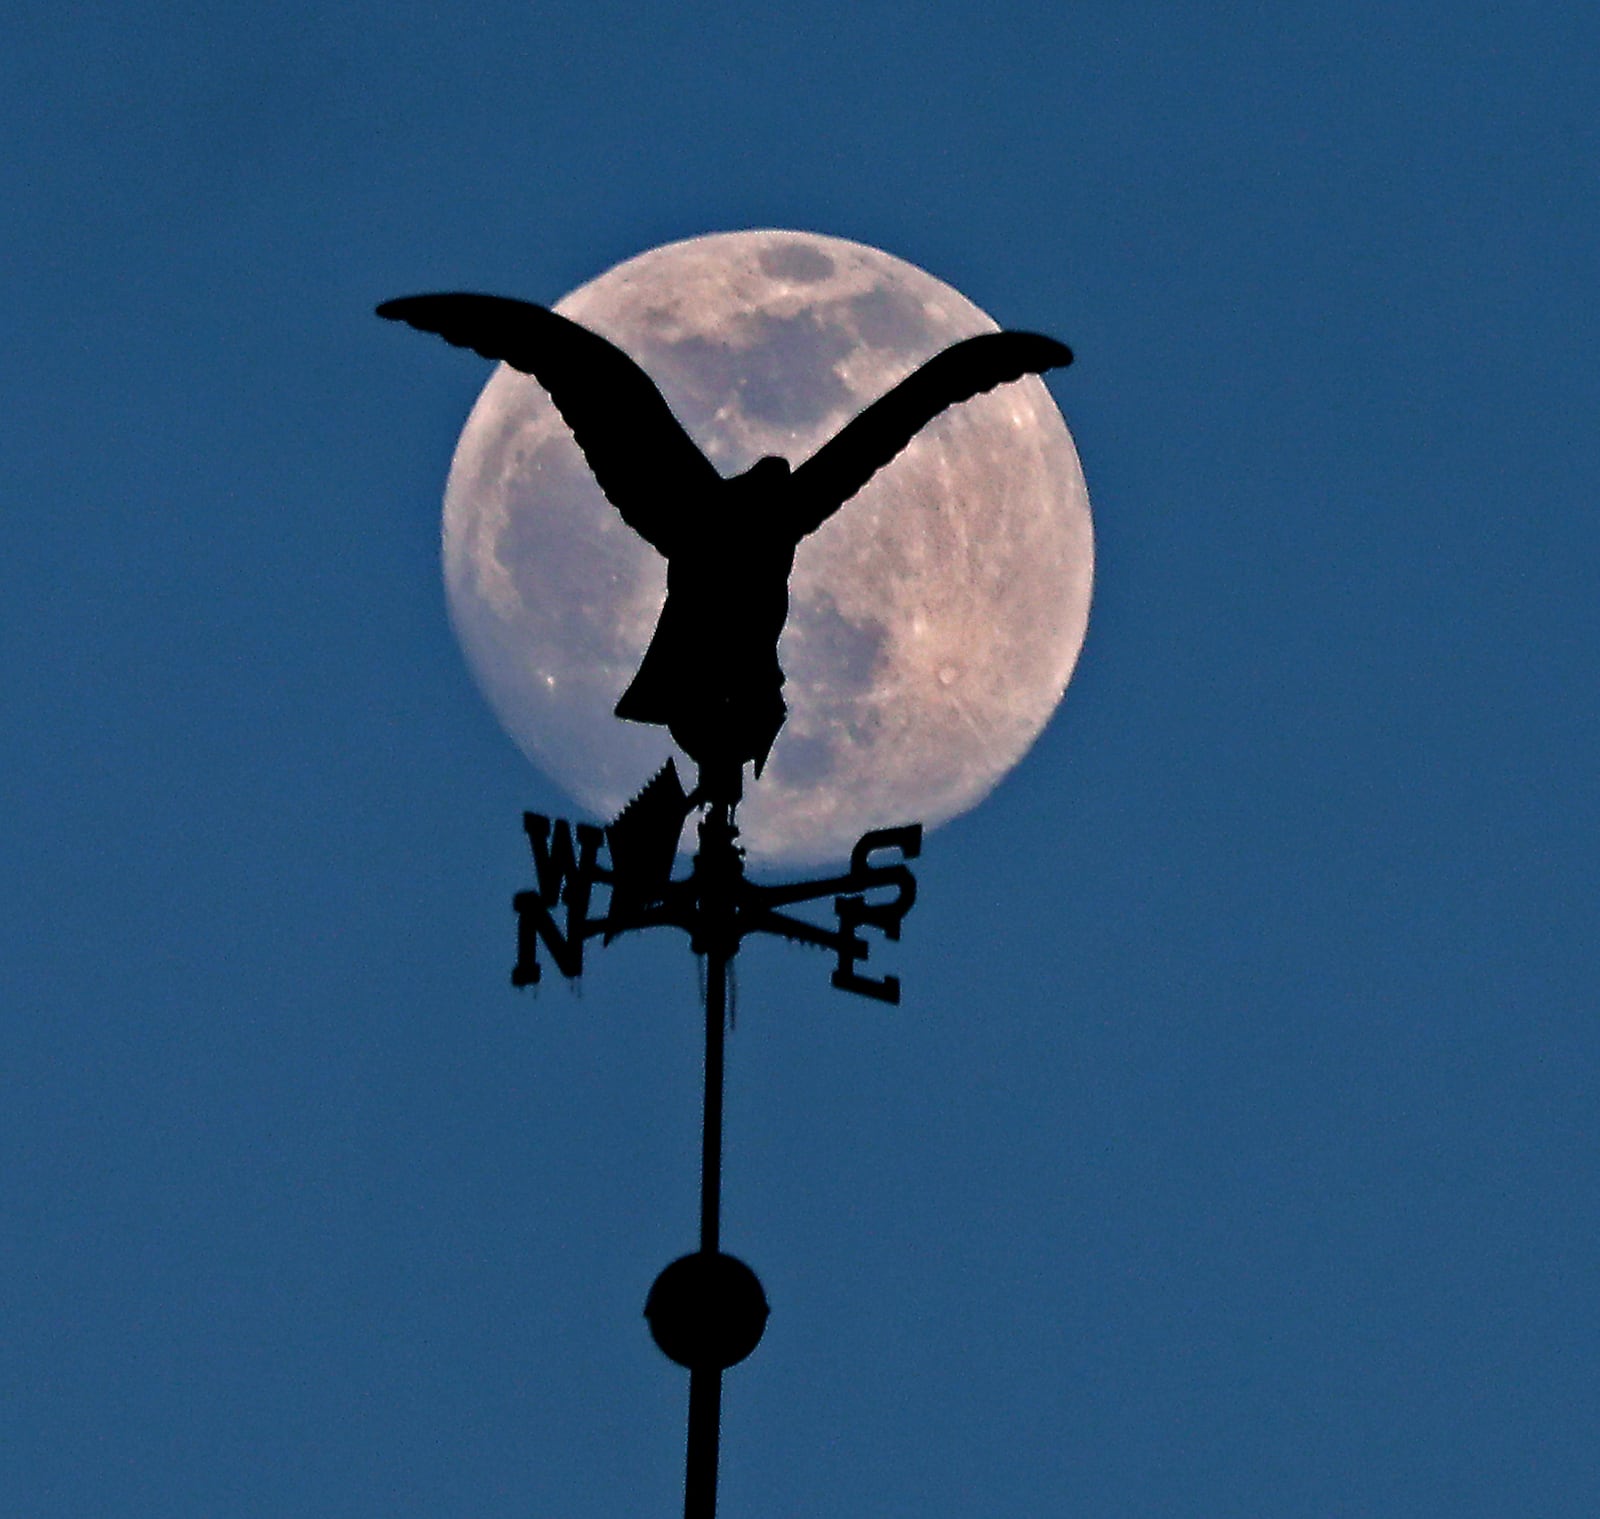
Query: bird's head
{"x": 768, "y": 472}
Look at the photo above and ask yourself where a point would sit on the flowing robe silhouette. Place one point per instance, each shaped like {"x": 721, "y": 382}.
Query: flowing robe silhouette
{"x": 711, "y": 674}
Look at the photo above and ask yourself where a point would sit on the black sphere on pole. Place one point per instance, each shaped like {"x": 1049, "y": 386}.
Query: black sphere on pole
{"x": 707, "y": 1311}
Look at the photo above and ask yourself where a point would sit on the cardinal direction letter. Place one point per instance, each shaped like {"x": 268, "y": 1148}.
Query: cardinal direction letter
{"x": 566, "y": 880}
{"x": 858, "y": 911}
{"x": 877, "y": 893}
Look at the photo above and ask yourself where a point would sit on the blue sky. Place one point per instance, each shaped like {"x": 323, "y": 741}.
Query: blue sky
{"x": 1232, "y": 1152}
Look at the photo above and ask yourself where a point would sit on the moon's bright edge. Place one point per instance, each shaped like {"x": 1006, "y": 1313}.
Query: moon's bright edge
{"x": 935, "y": 619}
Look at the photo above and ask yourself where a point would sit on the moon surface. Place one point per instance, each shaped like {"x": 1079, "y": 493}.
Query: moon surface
{"x": 934, "y": 619}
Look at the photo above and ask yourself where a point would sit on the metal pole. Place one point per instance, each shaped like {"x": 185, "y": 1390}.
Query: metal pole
{"x": 711, "y": 1131}
{"x": 721, "y": 866}
{"x": 705, "y": 1419}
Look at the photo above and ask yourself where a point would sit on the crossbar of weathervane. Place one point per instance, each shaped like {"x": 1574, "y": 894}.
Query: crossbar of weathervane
{"x": 567, "y": 876}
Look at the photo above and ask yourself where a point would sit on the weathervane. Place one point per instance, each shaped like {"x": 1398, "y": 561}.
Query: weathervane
{"x": 711, "y": 676}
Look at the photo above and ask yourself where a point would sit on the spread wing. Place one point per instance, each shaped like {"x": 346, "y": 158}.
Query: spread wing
{"x": 845, "y": 463}
{"x": 642, "y": 458}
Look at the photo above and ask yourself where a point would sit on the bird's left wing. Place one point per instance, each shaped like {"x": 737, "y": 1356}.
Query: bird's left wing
{"x": 642, "y": 458}
{"x": 845, "y": 463}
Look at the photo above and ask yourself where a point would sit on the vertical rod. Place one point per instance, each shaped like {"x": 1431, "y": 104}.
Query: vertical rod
{"x": 705, "y": 1420}
{"x": 719, "y": 868}
{"x": 705, "y": 1382}
{"x": 711, "y": 1131}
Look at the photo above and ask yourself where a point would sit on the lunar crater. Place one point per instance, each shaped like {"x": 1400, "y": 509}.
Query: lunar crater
{"x": 827, "y": 651}
{"x": 890, "y": 321}
{"x": 783, "y": 376}
{"x": 795, "y": 261}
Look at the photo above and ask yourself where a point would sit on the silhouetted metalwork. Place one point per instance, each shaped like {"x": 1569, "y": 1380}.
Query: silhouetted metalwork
{"x": 715, "y": 905}
{"x": 711, "y": 677}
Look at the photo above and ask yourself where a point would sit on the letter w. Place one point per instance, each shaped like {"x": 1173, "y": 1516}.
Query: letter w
{"x": 565, "y": 877}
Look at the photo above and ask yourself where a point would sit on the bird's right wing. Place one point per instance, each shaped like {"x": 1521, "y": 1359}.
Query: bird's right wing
{"x": 642, "y": 458}
{"x": 845, "y": 463}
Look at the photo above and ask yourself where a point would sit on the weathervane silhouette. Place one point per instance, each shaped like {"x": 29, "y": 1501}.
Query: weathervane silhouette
{"x": 710, "y": 676}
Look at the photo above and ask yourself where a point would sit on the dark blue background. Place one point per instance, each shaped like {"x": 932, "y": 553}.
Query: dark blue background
{"x": 1234, "y": 1152}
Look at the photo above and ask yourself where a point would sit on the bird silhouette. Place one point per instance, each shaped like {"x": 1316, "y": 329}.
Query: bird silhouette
{"x": 711, "y": 674}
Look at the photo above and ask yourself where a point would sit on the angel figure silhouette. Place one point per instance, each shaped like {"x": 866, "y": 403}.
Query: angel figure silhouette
{"x": 711, "y": 674}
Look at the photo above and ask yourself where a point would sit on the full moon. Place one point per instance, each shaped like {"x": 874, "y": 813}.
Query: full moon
{"x": 934, "y": 619}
